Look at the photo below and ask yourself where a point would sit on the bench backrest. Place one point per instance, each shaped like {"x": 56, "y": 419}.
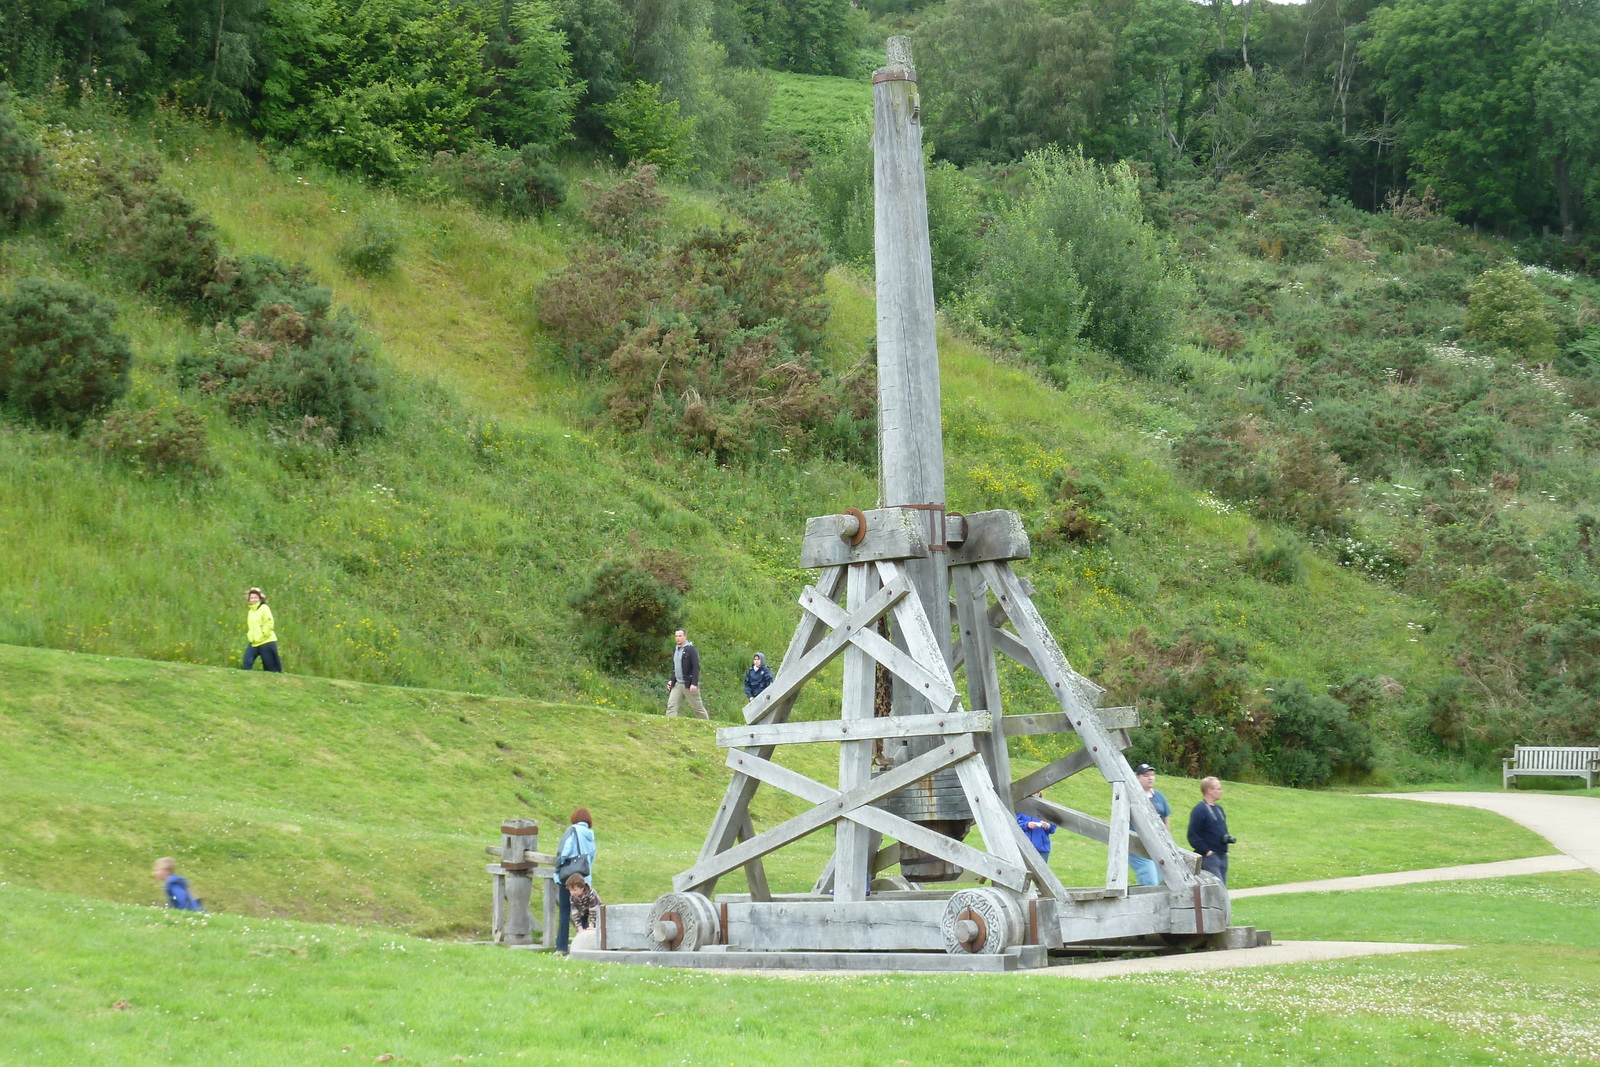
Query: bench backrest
{"x": 1554, "y": 758}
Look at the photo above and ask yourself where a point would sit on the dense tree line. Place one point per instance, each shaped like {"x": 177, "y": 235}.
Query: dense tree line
{"x": 1491, "y": 104}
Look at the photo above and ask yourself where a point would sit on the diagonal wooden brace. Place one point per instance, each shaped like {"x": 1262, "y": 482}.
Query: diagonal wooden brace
{"x": 859, "y": 619}
{"x": 985, "y": 864}
{"x": 938, "y": 688}
{"x": 838, "y": 806}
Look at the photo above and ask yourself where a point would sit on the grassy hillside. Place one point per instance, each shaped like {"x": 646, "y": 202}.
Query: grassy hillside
{"x": 443, "y": 552}
{"x": 333, "y": 801}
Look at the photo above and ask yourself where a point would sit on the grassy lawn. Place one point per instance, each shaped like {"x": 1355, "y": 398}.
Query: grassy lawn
{"x": 186, "y": 989}
{"x": 318, "y": 799}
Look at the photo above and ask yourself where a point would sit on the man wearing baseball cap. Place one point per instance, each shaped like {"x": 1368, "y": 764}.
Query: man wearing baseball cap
{"x": 1144, "y": 868}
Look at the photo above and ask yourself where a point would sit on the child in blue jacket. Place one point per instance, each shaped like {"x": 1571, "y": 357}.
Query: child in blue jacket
{"x": 176, "y": 885}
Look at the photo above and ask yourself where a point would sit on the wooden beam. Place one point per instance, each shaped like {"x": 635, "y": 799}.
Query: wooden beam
{"x": 841, "y": 805}
{"x": 892, "y": 533}
{"x": 983, "y": 677}
{"x": 860, "y": 617}
{"x": 995, "y": 820}
{"x": 1058, "y": 770}
{"x": 919, "y": 837}
{"x": 991, "y": 536}
{"x": 866, "y": 926}
{"x": 936, "y": 685}
{"x": 1117, "y": 840}
{"x": 852, "y": 848}
{"x": 1057, "y": 722}
{"x": 805, "y": 733}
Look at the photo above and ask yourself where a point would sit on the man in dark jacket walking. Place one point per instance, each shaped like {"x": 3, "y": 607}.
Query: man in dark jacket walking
{"x": 685, "y": 681}
{"x": 1208, "y": 830}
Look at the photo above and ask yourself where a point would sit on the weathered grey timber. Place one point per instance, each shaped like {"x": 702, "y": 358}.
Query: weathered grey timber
{"x": 908, "y": 589}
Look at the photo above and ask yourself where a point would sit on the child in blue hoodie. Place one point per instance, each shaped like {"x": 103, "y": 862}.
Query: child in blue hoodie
{"x": 176, "y": 885}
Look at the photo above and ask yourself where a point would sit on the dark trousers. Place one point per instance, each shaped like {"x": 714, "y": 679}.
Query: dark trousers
{"x": 562, "y": 931}
{"x": 1217, "y": 864}
{"x": 268, "y": 653}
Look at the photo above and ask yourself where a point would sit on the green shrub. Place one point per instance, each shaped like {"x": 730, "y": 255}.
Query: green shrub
{"x": 1505, "y": 311}
{"x": 650, "y": 129}
{"x": 25, "y": 196}
{"x": 60, "y": 358}
{"x": 623, "y": 613}
{"x": 1073, "y": 257}
{"x": 1196, "y": 697}
{"x": 150, "y": 235}
{"x": 522, "y": 184}
{"x": 162, "y": 438}
{"x": 1282, "y": 563}
{"x": 369, "y": 250}
{"x": 290, "y": 361}
{"x": 1312, "y": 737}
{"x": 1079, "y": 514}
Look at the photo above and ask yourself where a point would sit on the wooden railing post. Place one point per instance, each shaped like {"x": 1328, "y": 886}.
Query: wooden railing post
{"x": 517, "y": 836}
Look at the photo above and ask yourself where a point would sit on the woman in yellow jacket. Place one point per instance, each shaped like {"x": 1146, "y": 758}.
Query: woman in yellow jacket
{"x": 262, "y": 639}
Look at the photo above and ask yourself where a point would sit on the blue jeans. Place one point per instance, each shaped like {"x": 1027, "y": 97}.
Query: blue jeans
{"x": 268, "y": 653}
{"x": 1145, "y": 871}
{"x": 566, "y": 918}
{"x": 1217, "y": 864}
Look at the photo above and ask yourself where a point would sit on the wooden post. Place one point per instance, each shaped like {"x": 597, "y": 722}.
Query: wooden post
{"x": 910, "y": 438}
{"x": 854, "y": 847}
{"x": 1117, "y": 845}
{"x": 518, "y": 836}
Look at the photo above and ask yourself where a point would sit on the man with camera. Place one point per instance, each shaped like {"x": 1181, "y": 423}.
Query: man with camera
{"x": 1208, "y": 830}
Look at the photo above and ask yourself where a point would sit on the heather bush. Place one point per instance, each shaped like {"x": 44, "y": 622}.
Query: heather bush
{"x": 150, "y": 235}
{"x": 294, "y": 361}
{"x": 1290, "y": 478}
{"x": 1282, "y": 562}
{"x": 163, "y": 438}
{"x": 61, "y": 359}
{"x": 241, "y": 284}
{"x": 707, "y": 340}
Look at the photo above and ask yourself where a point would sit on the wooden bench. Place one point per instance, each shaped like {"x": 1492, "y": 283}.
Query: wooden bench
{"x": 1553, "y": 761}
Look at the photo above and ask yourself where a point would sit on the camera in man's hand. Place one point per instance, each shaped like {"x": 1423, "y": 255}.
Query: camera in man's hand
{"x": 1229, "y": 839}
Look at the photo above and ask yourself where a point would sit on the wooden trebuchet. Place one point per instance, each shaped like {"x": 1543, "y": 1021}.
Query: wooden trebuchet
{"x": 910, "y": 592}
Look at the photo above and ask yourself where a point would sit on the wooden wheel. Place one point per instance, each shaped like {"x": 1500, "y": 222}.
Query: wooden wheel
{"x": 981, "y": 922}
{"x": 682, "y": 922}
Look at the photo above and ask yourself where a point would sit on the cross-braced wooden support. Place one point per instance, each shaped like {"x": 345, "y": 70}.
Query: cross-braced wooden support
{"x": 862, "y": 556}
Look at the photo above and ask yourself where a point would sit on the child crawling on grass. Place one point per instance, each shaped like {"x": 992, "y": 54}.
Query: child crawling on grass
{"x": 176, "y": 885}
